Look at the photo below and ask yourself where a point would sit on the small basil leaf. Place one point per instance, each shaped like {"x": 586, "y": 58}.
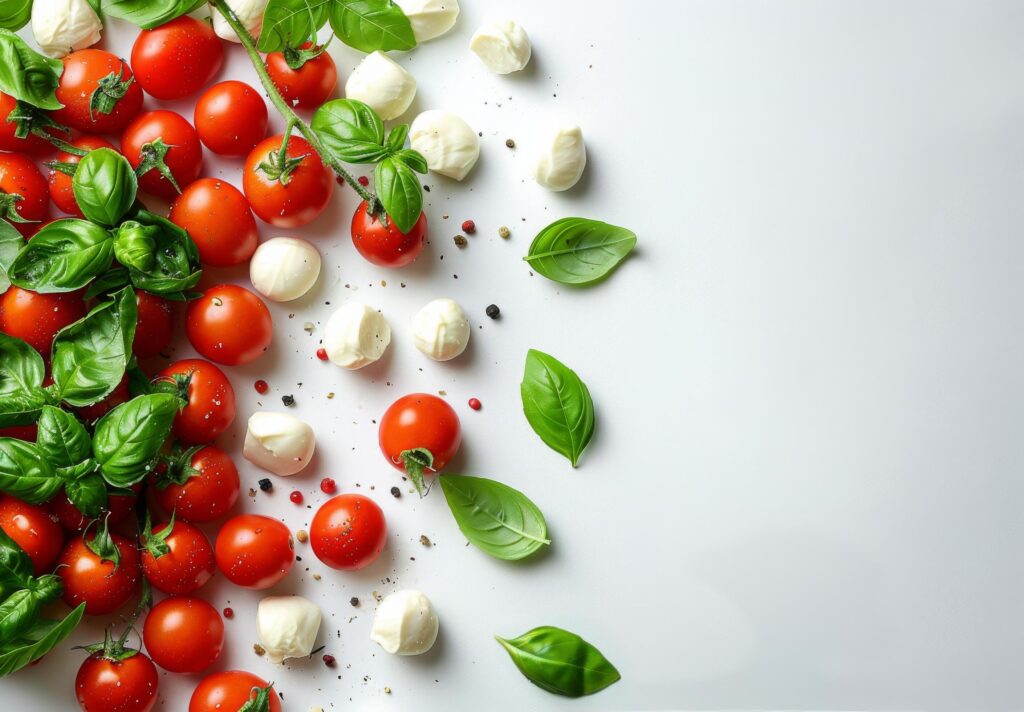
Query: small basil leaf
{"x": 176, "y": 259}
{"x": 148, "y": 14}
{"x": 27, "y": 75}
{"x": 413, "y": 159}
{"x": 497, "y": 519}
{"x": 351, "y": 130}
{"x": 135, "y": 245}
{"x": 399, "y": 192}
{"x": 62, "y": 438}
{"x": 557, "y": 405}
{"x": 25, "y": 472}
{"x": 370, "y": 25}
{"x": 128, "y": 438}
{"x": 88, "y": 494}
{"x": 14, "y": 14}
{"x": 40, "y": 639}
{"x": 104, "y": 186}
{"x": 396, "y": 137}
{"x": 63, "y": 256}
{"x": 11, "y": 243}
{"x": 560, "y": 662}
{"x": 91, "y": 355}
{"x": 579, "y": 251}
{"x": 21, "y": 377}
{"x": 290, "y": 23}
{"x": 15, "y": 565}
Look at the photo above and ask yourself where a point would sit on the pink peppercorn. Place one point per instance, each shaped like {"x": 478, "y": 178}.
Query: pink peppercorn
{"x": 321, "y": 353}
{"x": 363, "y": 180}
{"x": 296, "y": 497}
{"x": 474, "y": 403}
{"x": 229, "y": 613}
{"x": 260, "y": 386}
{"x": 329, "y": 660}
{"x": 327, "y": 486}
{"x": 469, "y": 226}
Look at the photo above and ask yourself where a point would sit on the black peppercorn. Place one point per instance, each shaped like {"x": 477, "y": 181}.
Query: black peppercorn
{"x": 493, "y": 311}
{"x": 395, "y": 492}
{"x": 288, "y": 400}
{"x": 266, "y": 485}
{"x": 354, "y": 601}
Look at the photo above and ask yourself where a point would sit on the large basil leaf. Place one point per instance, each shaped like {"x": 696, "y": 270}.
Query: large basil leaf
{"x": 25, "y": 472}
{"x": 15, "y": 14}
{"x": 579, "y": 251}
{"x": 62, "y": 438}
{"x": 399, "y": 191}
{"x": 17, "y": 614}
{"x": 557, "y": 405}
{"x": 290, "y": 23}
{"x": 63, "y": 256}
{"x": 560, "y": 662}
{"x": 128, "y": 438}
{"x": 351, "y": 130}
{"x": 104, "y": 186}
{"x": 90, "y": 356}
{"x": 21, "y": 377}
{"x": 27, "y": 75}
{"x": 148, "y": 14}
{"x": 43, "y": 637}
{"x": 370, "y": 25}
{"x": 11, "y": 243}
{"x": 176, "y": 265}
{"x": 497, "y": 519}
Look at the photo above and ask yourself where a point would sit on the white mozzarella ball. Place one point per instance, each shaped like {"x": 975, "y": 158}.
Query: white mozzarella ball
{"x": 278, "y": 442}
{"x": 383, "y": 84}
{"x": 449, "y": 144}
{"x": 441, "y": 329}
{"x": 502, "y": 45}
{"x": 356, "y": 336}
{"x": 562, "y": 158}
{"x": 287, "y": 626}
{"x": 249, "y": 12}
{"x": 284, "y": 268}
{"x": 405, "y": 623}
{"x": 62, "y": 26}
{"x": 430, "y": 18}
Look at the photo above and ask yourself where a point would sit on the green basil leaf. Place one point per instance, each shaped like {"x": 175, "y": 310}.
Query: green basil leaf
{"x": 17, "y": 614}
{"x": 88, "y": 494}
{"x": 27, "y": 75}
{"x": 399, "y": 192}
{"x": 579, "y": 251}
{"x": 351, "y": 130}
{"x": 91, "y": 355}
{"x": 15, "y": 14}
{"x": 21, "y": 377}
{"x": 176, "y": 259}
{"x": 413, "y": 159}
{"x": 112, "y": 280}
{"x": 370, "y": 25}
{"x": 135, "y": 245}
{"x": 25, "y": 472}
{"x": 43, "y": 637}
{"x": 128, "y": 438}
{"x": 560, "y": 662}
{"x": 557, "y": 405}
{"x": 15, "y": 565}
{"x": 62, "y": 438}
{"x": 63, "y": 256}
{"x": 290, "y": 23}
{"x": 148, "y": 14}
{"x": 11, "y": 243}
{"x": 104, "y": 186}
{"x": 497, "y": 519}
{"x": 396, "y": 137}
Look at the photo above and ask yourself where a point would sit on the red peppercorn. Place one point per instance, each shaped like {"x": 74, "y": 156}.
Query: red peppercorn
{"x": 327, "y": 486}
{"x": 329, "y": 660}
{"x": 229, "y": 613}
{"x": 260, "y": 386}
{"x": 469, "y": 226}
{"x": 363, "y": 180}
{"x": 296, "y": 497}
{"x": 321, "y": 353}
{"x": 474, "y": 403}
{"x": 339, "y": 180}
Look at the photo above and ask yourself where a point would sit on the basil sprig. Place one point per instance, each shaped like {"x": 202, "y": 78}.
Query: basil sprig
{"x": 366, "y": 25}
{"x": 496, "y": 518}
{"x": 104, "y": 185}
{"x": 148, "y": 14}
{"x": 63, "y": 256}
{"x": 21, "y": 382}
{"x": 579, "y": 251}
{"x": 175, "y": 267}
{"x": 15, "y": 14}
{"x": 557, "y": 405}
{"x": 127, "y": 440}
{"x": 27, "y": 75}
{"x": 560, "y": 662}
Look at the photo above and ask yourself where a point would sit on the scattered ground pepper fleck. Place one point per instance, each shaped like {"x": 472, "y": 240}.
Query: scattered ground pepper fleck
{"x": 474, "y": 403}
{"x": 510, "y": 143}
{"x": 295, "y": 497}
{"x": 492, "y": 311}
{"x": 327, "y": 486}
{"x": 364, "y": 181}
{"x": 302, "y": 536}
{"x": 321, "y": 353}
{"x": 260, "y": 386}
{"x": 288, "y": 400}
{"x": 424, "y": 540}
{"x": 469, "y": 226}
{"x": 229, "y": 613}
{"x": 354, "y": 601}
{"x": 395, "y": 492}
{"x": 266, "y": 485}
{"x": 329, "y": 660}
{"x": 504, "y": 232}
{"x": 460, "y": 240}
{"x": 258, "y": 649}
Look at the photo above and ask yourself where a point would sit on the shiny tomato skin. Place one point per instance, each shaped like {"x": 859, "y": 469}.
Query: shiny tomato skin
{"x": 119, "y": 506}
{"x": 381, "y": 243}
{"x": 348, "y": 532}
{"x": 304, "y": 197}
{"x": 231, "y": 118}
{"x": 307, "y": 87}
{"x": 211, "y": 401}
{"x": 155, "y": 325}
{"x": 20, "y": 432}
{"x": 60, "y": 183}
{"x": 31, "y": 145}
{"x": 229, "y": 690}
{"x": 184, "y": 158}
{"x": 229, "y": 325}
{"x": 120, "y": 394}
{"x": 207, "y": 495}
{"x": 19, "y": 175}
{"x": 102, "y": 587}
{"x": 420, "y": 420}
{"x": 186, "y": 567}
{"x": 254, "y": 551}
{"x": 183, "y": 634}
{"x": 104, "y": 685}
{"x": 34, "y": 529}
{"x": 217, "y": 217}
{"x": 82, "y": 73}
{"x": 36, "y": 318}
{"x": 178, "y": 58}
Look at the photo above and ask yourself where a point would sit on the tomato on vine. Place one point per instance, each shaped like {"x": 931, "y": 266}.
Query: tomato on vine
{"x": 164, "y": 149}
{"x": 24, "y": 194}
{"x": 32, "y": 145}
{"x": 101, "y": 570}
{"x": 201, "y": 486}
{"x": 311, "y": 84}
{"x": 177, "y": 58}
{"x": 98, "y": 91}
{"x": 419, "y": 433}
{"x": 380, "y": 241}
{"x": 209, "y": 399}
{"x": 288, "y": 189}
{"x": 176, "y": 557}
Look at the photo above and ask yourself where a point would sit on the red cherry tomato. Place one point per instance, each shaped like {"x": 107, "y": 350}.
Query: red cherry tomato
{"x": 229, "y": 325}
{"x": 176, "y": 59}
{"x": 119, "y": 506}
{"x": 420, "y": 420}
{"x": 231, "y": 118}
{"x": 98, "y": 92}
{"x": 20, "y": 432}
{"x": 307, "y": 87}
{"x": 183, "y": 634}
{"x": 60, "y": 182}
{"x": 294, "y": 203}
{"x": 20, "y": 177}
{"x": 36, "y": 318}
{"x": 31, "y": 144}
{"x": 111, "y": 685}
{"x": 254, "y": 551}
{"x": 209, "y": 493}
{"x": 230, "y": 690}
{"x": 348, "y": 532}
{"x": 211, "y": 401}
{"x": 34, "y": 529}
{"x": 94, "y": 412}
{"x": 186, "y": 567}
{"x": 155, "y": 324}
{"x": 381, "y": 243}
{"x": 217, "y": 217}
{"x": 156, "y": 132}
{"x": 102, "y": 586}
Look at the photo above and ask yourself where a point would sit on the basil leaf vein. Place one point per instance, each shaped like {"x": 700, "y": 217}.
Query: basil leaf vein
{"x": 21, "y": 377}
{"x": 25, "y": 472}
{"x": 128, "y": 438}
{"x": 560, "y": 662}
{"x": 63, "y": 256}
{"x": 104, "y": 185}
{"x": 557, "y": 405}
{"x": 399, "y": 192}
{"x": 290, "y": 23}
{"x": 62, "y": 438}
{"x": 371, "y": 25}
{"x": 351, "y": 130}
{"x": 579, "y": 251}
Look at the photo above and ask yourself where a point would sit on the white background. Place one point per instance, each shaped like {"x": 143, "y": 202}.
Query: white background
{"x": 804, "y": 490}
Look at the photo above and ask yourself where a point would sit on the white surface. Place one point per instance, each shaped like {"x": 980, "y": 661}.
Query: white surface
{"x": 804, "y": 490}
